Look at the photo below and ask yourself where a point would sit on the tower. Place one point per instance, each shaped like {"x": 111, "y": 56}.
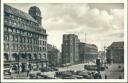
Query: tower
{"x": 36, "y": 14}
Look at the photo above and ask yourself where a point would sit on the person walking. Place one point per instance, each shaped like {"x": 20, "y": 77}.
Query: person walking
{"x": 99, "y": 75}
{"x": 10, "y": 71}
{"x": 105, "y": 76}
{"x": 27, "y": 69}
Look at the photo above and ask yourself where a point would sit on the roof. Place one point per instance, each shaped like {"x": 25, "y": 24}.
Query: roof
{"x": 117, "y": 44}
{"x": 17, "y": 12}
{"x": 91, "y": 46}
{"x": 35, "y": 9}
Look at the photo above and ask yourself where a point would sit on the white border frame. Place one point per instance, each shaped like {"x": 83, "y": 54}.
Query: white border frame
{"x": 67, "y": 1}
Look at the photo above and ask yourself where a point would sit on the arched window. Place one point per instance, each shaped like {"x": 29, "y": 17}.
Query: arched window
{"x": 6, "y": 57}
{"x": 14, "y": 57}
{"x": 39, "y": 56}
{"x": 29, "y": 56}
{"x": 24, "y": 56}
{"x": 35, "y": 56}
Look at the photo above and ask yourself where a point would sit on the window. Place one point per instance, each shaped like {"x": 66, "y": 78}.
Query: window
{"x": 6, "y": 57}
{"x": 30, "y": 57}
{"x": 35, "y": 56}
{"x": 6, "y": 20}
{"x": 15, "y": 23}
{"x": 10, "y": 30}
{"x": 43, "y": 49}
{"x": 22, "y": 32}
{"x": 13, "y": 46}
{"x": 37, "y": 41}
{"x": 6, "y": 46}
{"x": 31, "y": 48}
{"x": 24, "y": 56}
{"x": 34, "y": 41}
{"x": 10, "y": 22}
{"x": 24, "y": 39}
{"x": 25, "y": 33}
{"x": 6, "y": 37}
{"x": 14, "y": 30}
{"x": 14, "y": 57}
{"x": 11, "y": 37}
{"x": 21, "y": 47}
{"x": 28, "y": 40}
{"x": 18, "y": 31}
{"x": 5, "y": 28}
{"x": 6, "y": 14}
{"x": 19, "y": 39}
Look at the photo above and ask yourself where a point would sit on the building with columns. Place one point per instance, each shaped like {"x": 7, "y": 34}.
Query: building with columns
{"x": 25, "y": 39}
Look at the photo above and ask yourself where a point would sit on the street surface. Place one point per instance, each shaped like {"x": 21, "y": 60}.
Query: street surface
{"x": 113, "y": 71}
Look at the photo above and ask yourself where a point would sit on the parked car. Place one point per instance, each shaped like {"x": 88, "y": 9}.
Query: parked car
{"x": 84, "y": 74}
{"x": 34, "y": 73}
{"x": 55, "y": 69}
{"x": 78, "y": 76}
{"x": 42, "y": 76}
{"x": 6, "y": 71}
{"x": 69, "y": 77}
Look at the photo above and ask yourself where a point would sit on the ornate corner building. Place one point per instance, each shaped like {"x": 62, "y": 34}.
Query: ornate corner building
{"x": 25, "y": 40}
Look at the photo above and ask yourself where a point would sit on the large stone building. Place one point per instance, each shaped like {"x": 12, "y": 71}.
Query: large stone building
{"x": 25, "y": 40}
{"x": 115, "y": 53}
{"x": 91, "y": 52}
{"x": 70, "y": 49}
{"x": 53, "y": 55}
{"x": 81, "y": 52}
{"x": 87, "y": 52}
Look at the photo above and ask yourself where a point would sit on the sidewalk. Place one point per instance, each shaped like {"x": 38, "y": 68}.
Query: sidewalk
{"x": 22, "y": 75}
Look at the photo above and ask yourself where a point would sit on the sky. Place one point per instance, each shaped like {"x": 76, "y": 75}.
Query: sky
{"x": 97, "y": 23}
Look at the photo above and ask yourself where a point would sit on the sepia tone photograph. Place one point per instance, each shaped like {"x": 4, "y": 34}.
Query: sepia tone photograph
{"x": 63, "y": 41}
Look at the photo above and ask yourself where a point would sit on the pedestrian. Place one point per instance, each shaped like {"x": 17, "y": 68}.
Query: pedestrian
{"x": 10, "y": 71}
{"x": 120, "y": 77}
{"x": 99, "y": 75}
{"x": 96, "y": 75}
{"x": 105, "y": 76}
{"x": 20, "y": 68}
{"x": 29, "y": 66}
{"x": 27, "y": 72}
{"x": 27, "y": 69}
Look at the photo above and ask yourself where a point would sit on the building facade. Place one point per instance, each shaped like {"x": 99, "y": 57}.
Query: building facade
{"x": 53, "y": 55}
{"x": 81, "y": 52}
{"x": 70, "y": 49}
{"x": 91, "y": 52}
{"x": 87, "y": 52}
{"x": 25, "y": 40}
{"x": 115, "y": 52}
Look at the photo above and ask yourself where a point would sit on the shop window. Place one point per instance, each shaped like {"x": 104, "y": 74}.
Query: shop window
{"x": 24, "y": 56}
{"x": 14, "y": 57}
{"x": 6, "y": 57}
{"x": 30, "y": 57}
{"x": 35, "y": 56}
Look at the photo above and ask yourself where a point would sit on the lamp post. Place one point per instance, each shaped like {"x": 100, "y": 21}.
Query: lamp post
{"x": 19, "y": 64}
{"x": 105, "y": 59}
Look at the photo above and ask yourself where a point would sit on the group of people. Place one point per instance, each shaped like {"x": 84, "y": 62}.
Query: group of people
{"x": 97, "y": 75}
{"x": 14, "y": 68}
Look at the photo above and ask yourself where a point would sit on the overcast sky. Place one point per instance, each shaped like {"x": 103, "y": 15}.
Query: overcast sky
{"x": 103, "y": 23}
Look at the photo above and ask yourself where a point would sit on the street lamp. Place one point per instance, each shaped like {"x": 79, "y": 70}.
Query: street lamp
{"x": 19, "y": 64}
{"x": 105, "y": 58}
